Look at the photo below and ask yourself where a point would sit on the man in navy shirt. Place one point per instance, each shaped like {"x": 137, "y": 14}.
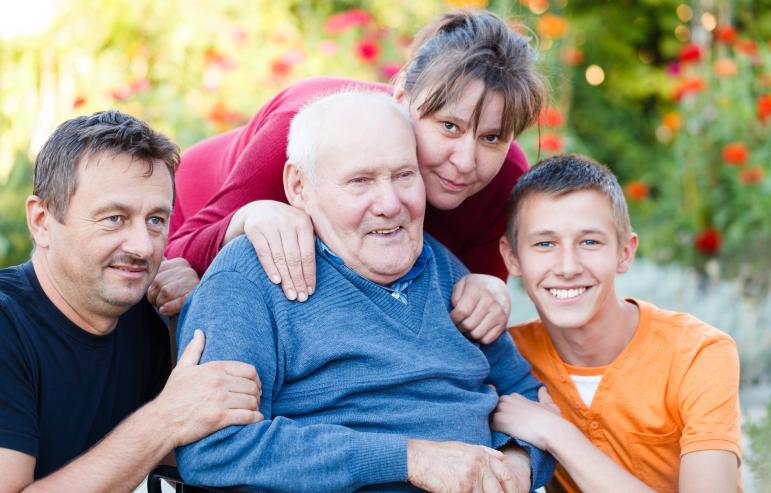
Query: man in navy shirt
{"x": 83, "y": 355}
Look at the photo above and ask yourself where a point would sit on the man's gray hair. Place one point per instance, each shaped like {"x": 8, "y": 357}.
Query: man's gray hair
{"x": 307, "y": 125}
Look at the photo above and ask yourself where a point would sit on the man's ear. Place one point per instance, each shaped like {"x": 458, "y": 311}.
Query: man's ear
{"x": 509, "y": 257}
{"x": 294, "y": 185}
{"x": 626, "y": 254}
{"x": 38, "y": 217}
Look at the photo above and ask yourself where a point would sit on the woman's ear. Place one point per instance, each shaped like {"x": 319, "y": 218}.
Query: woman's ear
{"x": 399, "y": 91}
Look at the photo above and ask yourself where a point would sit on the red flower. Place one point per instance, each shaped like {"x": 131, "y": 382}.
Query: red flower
{"x": 552, "y": 143}
{"x": 687, "y": 86}
{"x": 367, "y": 50}
{"x": 708, "y": 241}
{"x": 735, "y": 153}
{"x": 389, "y": 70}
{"x": 551, "y": 117}
{"x": 221, "y": 115}
{"x": 747, "y": 46}
{"x": 672, "y": 120}
{"x": 343, "y": 21}
{"x": 690, "y": 53}
{"x": 764, "y": 106}
{"x": 79, "y": 101}
{"x": 725, "y": 33}
{"x": 637, "y": 190}
{"x": 280, "y": 67}
{"x": 751, "y": 176}
{"x": 572, "y": 56}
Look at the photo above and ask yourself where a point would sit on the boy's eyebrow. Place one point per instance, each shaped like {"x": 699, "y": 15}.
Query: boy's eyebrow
{"x": 549, "y": 232}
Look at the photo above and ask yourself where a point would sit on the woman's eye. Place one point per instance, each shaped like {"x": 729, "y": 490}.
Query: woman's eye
{"x": 492, "y": 139}
{"x": 450, "y": 127}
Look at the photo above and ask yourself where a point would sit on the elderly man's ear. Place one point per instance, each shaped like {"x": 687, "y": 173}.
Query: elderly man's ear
{"x": 294, "y": 185}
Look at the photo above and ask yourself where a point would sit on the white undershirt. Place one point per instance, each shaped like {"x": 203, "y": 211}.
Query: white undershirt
{"x": 586, "y": 386}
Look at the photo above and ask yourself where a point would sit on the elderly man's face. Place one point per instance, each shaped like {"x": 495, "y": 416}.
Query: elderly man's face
{"x": 367, "y": 198}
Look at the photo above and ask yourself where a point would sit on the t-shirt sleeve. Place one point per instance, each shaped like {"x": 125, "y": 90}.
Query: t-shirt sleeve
{"x": 709, "y": 400}
{"x": 18, "y": 403}
{"x": 256, "y": 175}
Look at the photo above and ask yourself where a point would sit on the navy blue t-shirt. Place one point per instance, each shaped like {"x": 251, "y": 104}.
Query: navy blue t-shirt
{"x": 62, "y": 389}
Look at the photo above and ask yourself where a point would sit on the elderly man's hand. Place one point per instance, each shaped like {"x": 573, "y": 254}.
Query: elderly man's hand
{"x": 517, "y": 461}
{"x": 481, "y": 307}
{"x": 201, "y": 399}
{"x": 173, "y": 282}
{"x": 450, "y": 467}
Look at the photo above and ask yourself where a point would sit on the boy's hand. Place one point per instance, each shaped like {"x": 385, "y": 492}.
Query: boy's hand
{"x": 533, "y": 422}
{"x": 481, "y": 307}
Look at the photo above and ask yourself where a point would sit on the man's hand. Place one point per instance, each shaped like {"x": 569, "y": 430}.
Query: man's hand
{"x": 537, "y": 423}
{"x": 201, "y": 399}
{"x": 282, "y": 236}
{"x": 517, "y": 461}
{"x": 481, "y": 307}
{"x": 172, "y": 284}
{"x": 450, "y": 467}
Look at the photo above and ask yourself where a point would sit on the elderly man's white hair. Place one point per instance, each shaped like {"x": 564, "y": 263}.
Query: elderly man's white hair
{"x": 307, "y": 125}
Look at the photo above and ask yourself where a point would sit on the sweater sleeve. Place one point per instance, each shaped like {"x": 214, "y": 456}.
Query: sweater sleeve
{"x": 510, "y": 373}
{"x": 277, "y": 454}
{"x": 256, "y": 175}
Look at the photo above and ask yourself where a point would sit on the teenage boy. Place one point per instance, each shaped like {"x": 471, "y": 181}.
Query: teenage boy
{"x": 648, "y": 397}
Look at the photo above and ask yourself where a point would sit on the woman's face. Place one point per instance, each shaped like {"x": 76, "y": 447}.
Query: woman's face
{"x": 455, "y": 160}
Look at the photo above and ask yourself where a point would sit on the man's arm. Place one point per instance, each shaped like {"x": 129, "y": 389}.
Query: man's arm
{"x": 196, "y": 401}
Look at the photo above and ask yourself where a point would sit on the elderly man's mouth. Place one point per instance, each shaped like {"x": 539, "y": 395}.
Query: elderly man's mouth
{"x": 386, "y": 232}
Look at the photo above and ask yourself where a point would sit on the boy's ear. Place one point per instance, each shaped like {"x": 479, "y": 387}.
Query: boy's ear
{"x": 294, "y": 185}
{"x": 509, "y": 257}
{"x": 626, "y": 254}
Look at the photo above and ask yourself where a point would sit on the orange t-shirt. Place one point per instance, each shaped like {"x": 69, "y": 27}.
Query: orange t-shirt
{"x": 673, "y": 390}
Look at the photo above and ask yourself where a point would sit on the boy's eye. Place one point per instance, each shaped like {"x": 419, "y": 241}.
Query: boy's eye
{"x": 543, "y": 244}
{"x": 591, "y": 242}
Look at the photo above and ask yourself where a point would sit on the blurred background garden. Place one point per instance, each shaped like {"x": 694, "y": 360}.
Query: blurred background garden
{"x": 674, "y": 95}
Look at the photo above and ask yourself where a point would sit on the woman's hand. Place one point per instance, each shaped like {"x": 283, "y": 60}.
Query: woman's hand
{"x": 282, "y": 236}
{"x": 481, "y": 307}
{"x": 533, "y": 422}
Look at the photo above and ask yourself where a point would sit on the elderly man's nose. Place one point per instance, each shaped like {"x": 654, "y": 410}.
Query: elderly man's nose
{"x": 387, "y": 201}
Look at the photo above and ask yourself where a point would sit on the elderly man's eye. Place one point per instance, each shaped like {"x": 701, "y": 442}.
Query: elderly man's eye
{"x": 359, "y": 180}
{"x": 156, "y": 221}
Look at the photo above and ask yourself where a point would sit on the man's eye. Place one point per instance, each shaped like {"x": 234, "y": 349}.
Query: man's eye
{"x": 156, "y": 221}
{"x": 115, "y": 220}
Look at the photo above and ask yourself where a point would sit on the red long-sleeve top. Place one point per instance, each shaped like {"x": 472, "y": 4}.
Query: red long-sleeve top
{"x": 221, "y": 174}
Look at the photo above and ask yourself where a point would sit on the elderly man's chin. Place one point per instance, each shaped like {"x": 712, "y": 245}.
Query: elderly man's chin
{"x": 386, "y": 258}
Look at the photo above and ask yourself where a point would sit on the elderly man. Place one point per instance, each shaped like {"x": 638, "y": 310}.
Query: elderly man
{"x": 368, "y": 383}
{"x": 81, "y": 350}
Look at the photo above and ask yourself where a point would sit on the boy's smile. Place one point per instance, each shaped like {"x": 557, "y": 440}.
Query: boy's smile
{"x": 568, "y": 255}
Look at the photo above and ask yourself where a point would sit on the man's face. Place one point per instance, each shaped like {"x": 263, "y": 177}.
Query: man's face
{"x": 110, "y": 244}
{"x": 367, "y": 198}
{"x": 568, "y": 256}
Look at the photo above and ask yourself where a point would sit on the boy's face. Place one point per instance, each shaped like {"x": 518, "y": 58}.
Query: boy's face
{"x": 568, "y": 256}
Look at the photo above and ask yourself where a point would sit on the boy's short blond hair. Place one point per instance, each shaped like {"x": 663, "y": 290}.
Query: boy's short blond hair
{"x": 567, "y": 173}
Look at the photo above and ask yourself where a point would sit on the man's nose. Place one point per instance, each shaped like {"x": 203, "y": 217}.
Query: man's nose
{"x": 138, "y": 242}
{"x": 387, "y": 201}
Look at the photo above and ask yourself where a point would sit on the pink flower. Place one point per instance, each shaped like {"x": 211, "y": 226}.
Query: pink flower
{"x": 343, "y": 21}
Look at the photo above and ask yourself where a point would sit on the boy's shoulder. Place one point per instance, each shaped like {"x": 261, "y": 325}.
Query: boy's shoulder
{"x": 680, "y": 329}
{"x": 531, "y": 338}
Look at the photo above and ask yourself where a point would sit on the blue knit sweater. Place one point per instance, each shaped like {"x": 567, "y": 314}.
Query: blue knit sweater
{"x": 347, "y": 377}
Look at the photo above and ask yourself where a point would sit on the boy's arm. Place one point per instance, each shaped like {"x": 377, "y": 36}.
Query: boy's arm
{"x": 709, "y": 471}
{"x": 708, "y": 400}
{"x": 541, "y": 425}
